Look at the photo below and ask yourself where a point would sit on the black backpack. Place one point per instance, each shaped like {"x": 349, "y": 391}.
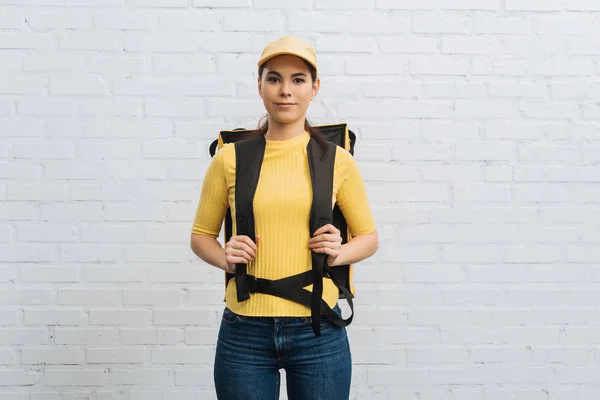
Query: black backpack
{"x": 249, "y": 149}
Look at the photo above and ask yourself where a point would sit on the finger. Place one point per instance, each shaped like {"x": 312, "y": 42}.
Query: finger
{"x": 328, "y": 251}
{"x": 239, "y": 254}
{"x": 326, "y": 228}
{"x": 321, "y": 245}
{"x": 247, "y": 249}
{"x": 327, "y": 237}
{"x": 248, "y": 241}
{"x": 236, "y": 260}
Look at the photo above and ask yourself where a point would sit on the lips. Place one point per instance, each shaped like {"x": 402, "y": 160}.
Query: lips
{"x": 285, "y": 105}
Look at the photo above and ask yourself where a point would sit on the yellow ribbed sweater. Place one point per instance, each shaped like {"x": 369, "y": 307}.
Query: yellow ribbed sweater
{"x": 281, "y": 210}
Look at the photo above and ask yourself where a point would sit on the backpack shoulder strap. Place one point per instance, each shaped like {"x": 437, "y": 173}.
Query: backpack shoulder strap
{"x": 249, "y": 155}
{"x": 321, "y": 167}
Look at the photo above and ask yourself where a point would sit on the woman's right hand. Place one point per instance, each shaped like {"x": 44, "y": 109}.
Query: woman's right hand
{"x": 239, "y": 250}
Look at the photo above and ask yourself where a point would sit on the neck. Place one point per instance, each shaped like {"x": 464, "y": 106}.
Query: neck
{"x": 279, "y": 131}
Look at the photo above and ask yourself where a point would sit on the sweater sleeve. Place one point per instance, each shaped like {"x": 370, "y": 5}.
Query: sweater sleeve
{"x": 352, "y": 197}
{"x": 213, "y": 198}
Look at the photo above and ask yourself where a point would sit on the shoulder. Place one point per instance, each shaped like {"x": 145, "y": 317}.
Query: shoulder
{"x": 225, "y": 156}
{"x": 343, "y": 159}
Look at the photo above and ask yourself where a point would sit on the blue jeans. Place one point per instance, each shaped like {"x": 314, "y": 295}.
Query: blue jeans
{"x": 252, "y": 350}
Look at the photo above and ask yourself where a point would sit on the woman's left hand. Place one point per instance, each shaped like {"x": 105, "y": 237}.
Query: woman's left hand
{"x": 327, "y": 240}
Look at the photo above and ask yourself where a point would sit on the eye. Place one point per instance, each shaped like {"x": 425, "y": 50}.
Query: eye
{"x": 299, "y": 80}
{"x": 272, "y": 79}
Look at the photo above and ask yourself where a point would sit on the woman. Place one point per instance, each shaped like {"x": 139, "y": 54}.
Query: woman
{"x": 265, "y": 333}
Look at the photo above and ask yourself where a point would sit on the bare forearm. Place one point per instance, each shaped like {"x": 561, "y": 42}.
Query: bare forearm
{"x": 209, "y": 250}
{"x": 358, "y": 249}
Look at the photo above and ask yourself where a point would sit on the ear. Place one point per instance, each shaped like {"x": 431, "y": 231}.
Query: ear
{"x": 259, "y": 87}
{"x": 315, "y": 87}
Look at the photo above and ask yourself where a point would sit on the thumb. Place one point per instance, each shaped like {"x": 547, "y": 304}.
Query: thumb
{"x": 257, "y": 238}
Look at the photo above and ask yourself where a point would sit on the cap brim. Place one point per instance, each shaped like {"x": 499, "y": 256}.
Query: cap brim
{"x": 281, "y": 53}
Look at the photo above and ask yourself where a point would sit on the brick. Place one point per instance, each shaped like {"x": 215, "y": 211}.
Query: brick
{"x": 67, "y": 213}
{"x": 12, "y": 19}
{"x": 411, "y": 45}
{"x": 193, "y": 377}
{"x": 160, "y": 274}
{"x": 20, "y": 170}
{"x": 111, "y": 233}
{"x": 200, "y": 336}
{"x": 151, "y": 42}
{"x": 74, "y": 377}
{"x": 113, "y": 274}
{"x": 53, "y": 63}
{"x": 534, "y": 5}
{"x": 186, "y": 64}
{"x": 7, "y": 357}
{"x": 17, "y": 377}
{"x": 436, "y": 355}
{"x": 218, "y": 108}
{"x": 22, "y": 86}
{"x": 397, "y": 376}
{"x": 118, "y": 66}
{"x": 438, "y": 65}
{"x": 151, "y": 297}
{"x": 48, "y": 273}
{"x": 569, "y": 24}
{"x": 120, "y": 317}
{"x": 26, "y": 41}
{"x": 111, "y": 107}
{"x": 46, "y": 106}
{"x": 512, "y": 90}
{"x": 156, "y": 254}
{"x": 311, "y": 22}
{"x": 179, "y": 355}
{"x": 189, "y": 20}
{"x": 86, "y": 336}
{"x": 174, "y": 108}
{"x": 339, "y": 43}
{"x": 181, "y": 317}
{"x": 63, "y": 19}
{"x": 174, "y": 87}
{"x": 224, "y": 3}
{"x": 54, "y": 317}
{"x": 339, "y": 4}
{"x": 27, "y": 253}
{"x": 90, "y": 40}
{"x": 8, "y": 317}
{"x": 56, "y": 356}
{"x": 136, "y": 336}
{"x": 440, "y": 23}
{"x": 382, "y": 65}
{"x": 474, "y": 45}
{"x": 28, "y": 336}
{"x": 114, "y": 355}
{"x": 77, "y": 86}
{"x": 90, "y": 253}
{"x": 11, "y": 62}
{"x": 95, "y": 3}
{"x": 455, "y": 90}
{"x": 506, "y": 25}
{"x": 130, "y": 20}
{"x": 89, "y": 297}
{"x": 140, "y": 376}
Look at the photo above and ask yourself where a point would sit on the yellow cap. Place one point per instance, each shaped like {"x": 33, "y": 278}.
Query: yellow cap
{"x": 289, "y": 45}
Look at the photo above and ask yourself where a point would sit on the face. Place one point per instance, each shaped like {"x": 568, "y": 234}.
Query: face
{"x": 286, "y": 88}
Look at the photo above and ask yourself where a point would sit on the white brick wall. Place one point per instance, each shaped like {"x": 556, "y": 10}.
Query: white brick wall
{"x": 479, "y": 140}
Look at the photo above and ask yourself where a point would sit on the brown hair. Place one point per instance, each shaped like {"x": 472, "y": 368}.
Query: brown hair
{"x": 263, "y": 124}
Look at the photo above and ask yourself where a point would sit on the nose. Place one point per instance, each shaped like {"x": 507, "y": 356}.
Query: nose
{"x": 285, "y": 91}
